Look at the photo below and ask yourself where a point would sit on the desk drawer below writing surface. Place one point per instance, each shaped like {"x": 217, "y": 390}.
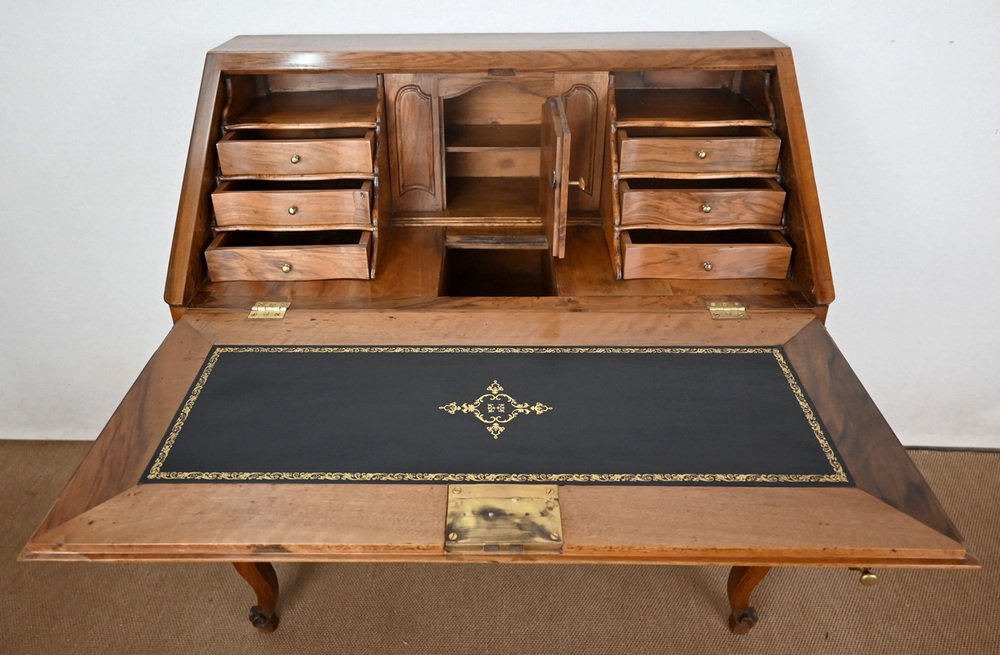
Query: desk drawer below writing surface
{"x": 697, "y": 204}
{"x": 279, "y": 256}
{"x": 244, "y": 205}
{"x": 709, "y": 152}
{"x": 724, "y": 254}
{"x": 297, "y": 153}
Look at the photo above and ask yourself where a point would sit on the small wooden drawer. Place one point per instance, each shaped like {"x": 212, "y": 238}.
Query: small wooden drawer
{"x": 297, "y": 153}
{"x": 275, "y": 256}
{"x": 723, "y": 254}
{"x": 716, "y": 152}
{"x": 242, "y": 205}
{"x": 694, "y": 204}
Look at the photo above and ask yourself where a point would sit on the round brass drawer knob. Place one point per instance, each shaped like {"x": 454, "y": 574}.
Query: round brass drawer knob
{"x": 295, "y": 159}
{"x": 706, "y": 208}
{"x": 293, "y": 210}
{"x": 702, "y": 154}
{"x": 286, "y": 267}
{"x": 707, "y": 266}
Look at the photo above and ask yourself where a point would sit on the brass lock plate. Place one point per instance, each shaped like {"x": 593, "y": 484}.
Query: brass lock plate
{"x": 503, "y": 518}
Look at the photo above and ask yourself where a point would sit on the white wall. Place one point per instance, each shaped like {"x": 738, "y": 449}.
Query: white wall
{"x": 902, "y": 100}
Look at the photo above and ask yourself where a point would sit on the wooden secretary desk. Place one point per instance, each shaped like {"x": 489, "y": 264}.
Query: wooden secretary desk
{"x": 506, "y": 298}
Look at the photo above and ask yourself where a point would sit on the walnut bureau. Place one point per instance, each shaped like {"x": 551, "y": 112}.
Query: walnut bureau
{"x": 580, "y": 197}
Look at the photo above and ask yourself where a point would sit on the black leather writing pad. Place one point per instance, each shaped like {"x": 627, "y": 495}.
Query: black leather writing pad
{"x": 464, "y": 414}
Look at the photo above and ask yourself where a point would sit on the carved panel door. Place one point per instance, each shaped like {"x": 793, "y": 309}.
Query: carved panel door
{"x": 413, "y": 113}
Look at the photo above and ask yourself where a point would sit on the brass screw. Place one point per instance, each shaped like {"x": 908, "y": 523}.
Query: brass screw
{"x": 707, "y": 266}
{"x": 295, "y": 159}
{"x": 702, "y": 154}
{"x": 286, "y": 268}
{"x": 554, "y": 536}
{"x": 452, "y": 536}
{"x": 293, "y": 210}
{"x": 868, "y": 579}
{"x": 706, "y": 208}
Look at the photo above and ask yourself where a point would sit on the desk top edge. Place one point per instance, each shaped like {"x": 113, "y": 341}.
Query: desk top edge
{"x": 499, "y": 42}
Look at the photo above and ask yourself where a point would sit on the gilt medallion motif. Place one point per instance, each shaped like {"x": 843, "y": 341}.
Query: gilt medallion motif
{"x": 496, "y": 408}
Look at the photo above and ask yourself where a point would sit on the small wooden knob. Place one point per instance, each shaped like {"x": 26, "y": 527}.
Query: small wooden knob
{"x": 293, "y": 210}
{"x": 295, "y": 159}
{"x": 702, "y": 154}
{"x": 286, "y": 267}
{"x": 706, "y": 208}
{"x": 707, "y": 266}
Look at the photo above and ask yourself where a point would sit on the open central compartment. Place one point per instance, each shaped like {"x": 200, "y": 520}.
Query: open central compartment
{"x": 484, "y": 265}
{"x": 492, "y": 141}
{"x": 492, "y": 130}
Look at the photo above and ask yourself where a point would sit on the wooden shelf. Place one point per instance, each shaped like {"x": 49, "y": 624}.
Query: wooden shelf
{"x": 483, "y": 200}
{"x": 474, "y": 138}
{"x": 686, "y": 108}
{"x": 492, "y": 150}
{"x": 310, "y": 110}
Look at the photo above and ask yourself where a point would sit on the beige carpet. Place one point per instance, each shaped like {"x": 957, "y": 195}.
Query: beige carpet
{"x": 84, "y": 608}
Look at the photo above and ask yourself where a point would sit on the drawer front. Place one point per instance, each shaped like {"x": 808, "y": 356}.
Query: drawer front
{"x": 287, "y": 263}
{"x": 279, "y": 158}
{"x": 292, "y": 210}
{"x": 702, "y": 207}
{"x": 705, "y": 261}
{"x": 671, "y": 154}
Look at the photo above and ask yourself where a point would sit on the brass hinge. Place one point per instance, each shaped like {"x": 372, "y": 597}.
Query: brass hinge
{"x": 269, "y": 310}
{"x": 508, "y": 518}
{"x": 726, "y": 311}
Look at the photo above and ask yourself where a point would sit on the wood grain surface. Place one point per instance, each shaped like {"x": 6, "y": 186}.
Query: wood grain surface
{"x": 103, "y": 514}
{"x": 694, "y": 207}
{"x": 292, "y": 209}
{"x": 641, "y": 154}
{"x": 289, "y": 262}
{"x": 283, "y": 158}
{"x": 705, "y": 260}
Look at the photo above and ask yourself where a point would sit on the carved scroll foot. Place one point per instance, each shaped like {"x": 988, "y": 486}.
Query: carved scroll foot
{"x": 742, "y": 581}
{"x": 264, "y": 581}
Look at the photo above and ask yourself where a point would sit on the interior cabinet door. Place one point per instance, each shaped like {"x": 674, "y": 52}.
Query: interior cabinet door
{"x": 413, "y": 113}
{"x": 586, "y": 98}
{"x": 554, "y": 174}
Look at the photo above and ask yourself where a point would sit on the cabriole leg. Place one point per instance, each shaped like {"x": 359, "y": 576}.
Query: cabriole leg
{"x": 263, "y": 579}
{"x": 742, "y": 581}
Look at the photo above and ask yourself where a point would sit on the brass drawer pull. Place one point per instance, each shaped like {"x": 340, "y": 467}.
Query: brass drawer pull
{"x": 286, "y": 267}
{"x": 705, "y": 207}
{"x": 293, "y": 210}
{"x": 295, "y": 159}
{"x": 702, "y": 154}
{"x": 707, "y": 266}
